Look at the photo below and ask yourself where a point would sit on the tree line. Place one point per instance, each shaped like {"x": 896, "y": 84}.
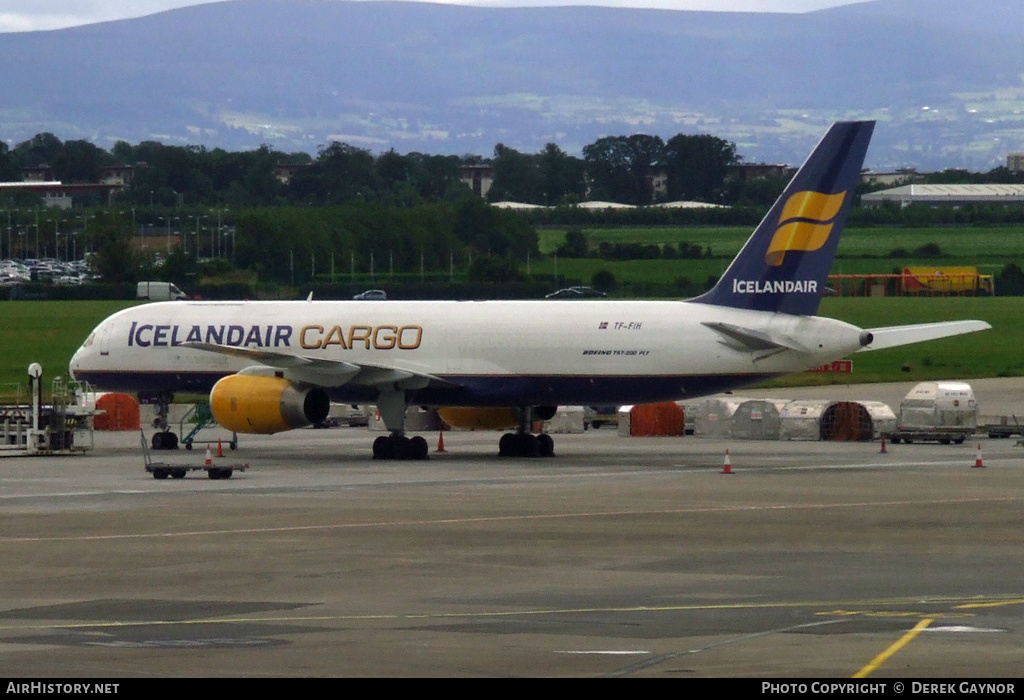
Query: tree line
{"x": 296, "y": 219}
{"x": 615, "y": 168}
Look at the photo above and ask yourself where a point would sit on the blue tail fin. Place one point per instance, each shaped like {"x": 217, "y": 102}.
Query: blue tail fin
{"x": 784, "y": 265}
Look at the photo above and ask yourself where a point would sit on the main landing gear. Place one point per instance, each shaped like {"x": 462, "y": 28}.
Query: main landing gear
{"x": 392, "y": 406}
{"x": 526, "y": 445}
{"x": 400, "y": 447}
{"x": 522, "y": 443}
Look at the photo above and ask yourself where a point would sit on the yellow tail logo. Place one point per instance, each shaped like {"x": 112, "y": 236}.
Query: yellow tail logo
{"x": 805, "y": 224}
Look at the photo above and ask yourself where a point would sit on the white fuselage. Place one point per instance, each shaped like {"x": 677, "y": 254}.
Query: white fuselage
{"x": 484, "y": 353}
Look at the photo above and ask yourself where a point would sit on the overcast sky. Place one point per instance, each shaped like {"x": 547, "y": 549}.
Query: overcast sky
{"x": 29, "y": 15}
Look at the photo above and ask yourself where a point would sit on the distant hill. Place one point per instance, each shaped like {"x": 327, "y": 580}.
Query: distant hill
{"x": 944, "y": 77}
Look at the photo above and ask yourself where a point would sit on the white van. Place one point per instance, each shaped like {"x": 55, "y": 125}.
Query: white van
{"x": 158, "y": 291}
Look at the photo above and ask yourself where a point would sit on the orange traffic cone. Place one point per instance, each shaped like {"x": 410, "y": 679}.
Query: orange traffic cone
{"x": 727, "y": 465}
{"x": 220, "y": 448}
{"x": 440, "y": 442}
{"x": 883, "y": 451}
{"x": 209, "y": 458}
{"x": 977, "y": 458}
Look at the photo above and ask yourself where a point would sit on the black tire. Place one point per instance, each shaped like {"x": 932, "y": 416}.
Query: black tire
{"x": 160, "y": 474}
{"x": 383, "y": 448}
{"x": 401, "y": 447}
{"x": 178, "y": 473}
{"x": 507, "y": 445}
{"x": 530, "y": 446}
{"x": 546, "y": 444}
{"x": 418, "y": 448}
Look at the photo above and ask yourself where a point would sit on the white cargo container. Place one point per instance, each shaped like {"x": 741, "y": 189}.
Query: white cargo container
{"x": 938, "y": 412}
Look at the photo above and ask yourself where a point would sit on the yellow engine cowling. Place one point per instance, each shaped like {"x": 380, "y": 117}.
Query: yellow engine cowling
{"x": 490, "y": 418}
{"x": 487, "y": 418}
{"x": 265, "y": 405}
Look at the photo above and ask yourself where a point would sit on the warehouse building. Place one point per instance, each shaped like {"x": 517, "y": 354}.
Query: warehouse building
{"x": 947, "y": 195}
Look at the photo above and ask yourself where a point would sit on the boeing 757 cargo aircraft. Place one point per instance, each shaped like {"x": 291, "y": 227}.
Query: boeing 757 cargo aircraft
{"x": 276, "y": 365}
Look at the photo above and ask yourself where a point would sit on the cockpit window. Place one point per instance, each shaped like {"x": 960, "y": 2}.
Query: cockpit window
{"x": 88, "y": 341}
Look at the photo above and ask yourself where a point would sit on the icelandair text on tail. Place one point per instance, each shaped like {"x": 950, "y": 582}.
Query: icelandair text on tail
{"x": 774, "y": 287}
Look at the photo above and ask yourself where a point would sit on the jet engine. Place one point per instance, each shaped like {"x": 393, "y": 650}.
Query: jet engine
{"x": 490, "y": 418}
{"x": 265, "y": 405}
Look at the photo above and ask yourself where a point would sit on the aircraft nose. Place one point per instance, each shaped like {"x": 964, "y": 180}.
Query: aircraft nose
{"x": 76, "y": 363}
{"x": 80, "y": 360}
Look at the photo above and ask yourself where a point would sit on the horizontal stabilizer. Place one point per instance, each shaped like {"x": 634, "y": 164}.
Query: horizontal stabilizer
{"x": 894, "y": 336}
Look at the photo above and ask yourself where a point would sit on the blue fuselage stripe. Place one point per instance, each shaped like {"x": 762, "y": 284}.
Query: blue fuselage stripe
{"x": 471, "y": 390}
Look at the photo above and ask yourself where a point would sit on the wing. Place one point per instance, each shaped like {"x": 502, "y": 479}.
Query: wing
{"x": 327, "y": 373}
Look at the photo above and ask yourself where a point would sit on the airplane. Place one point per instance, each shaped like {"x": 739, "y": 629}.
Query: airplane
{"x": 272, "y": 366}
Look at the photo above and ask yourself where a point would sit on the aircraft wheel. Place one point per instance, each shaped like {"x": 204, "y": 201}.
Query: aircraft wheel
{"x": 546, "y": 444}
{"x": 383, "y": 448}
{"x": 401, "y": 448}
{"x": 530, "y": 445}
{"x": 418, "y": 448}
{"x": 506, "y": 445}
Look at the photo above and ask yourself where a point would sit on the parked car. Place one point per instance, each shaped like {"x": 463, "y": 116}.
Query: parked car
{"x": 372, "y": 295}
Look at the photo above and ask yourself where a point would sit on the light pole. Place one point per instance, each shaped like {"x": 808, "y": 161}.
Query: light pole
{"x": 10, "y": 250}
{"x": 168, "y": 220}
{"x": 198, "y": 219}
{"x": 85, "y": 236}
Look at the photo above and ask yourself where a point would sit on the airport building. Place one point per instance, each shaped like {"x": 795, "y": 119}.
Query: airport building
{"x": 947, "y": 195}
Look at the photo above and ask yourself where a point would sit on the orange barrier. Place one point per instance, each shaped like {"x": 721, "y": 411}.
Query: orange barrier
{"x": 656, "y": 419}
{"x": 116, "y": 412}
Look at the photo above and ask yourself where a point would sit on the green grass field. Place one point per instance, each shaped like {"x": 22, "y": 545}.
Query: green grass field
{"x": 861, "y": 250}
{"x": 47, "y": 332}
{"x": 50, "y": 332}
